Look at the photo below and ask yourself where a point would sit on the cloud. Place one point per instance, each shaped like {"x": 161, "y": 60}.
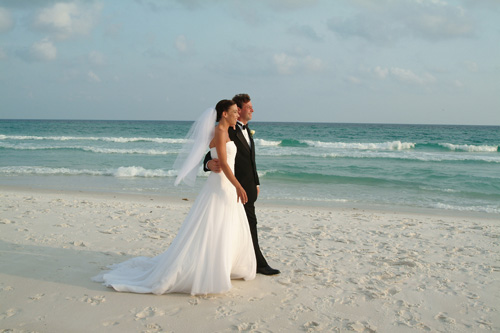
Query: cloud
{"x": 162, "y": 5}
{"x": 277, "y": 5}
{"x": 312, "y": 64}
{"x": 458, "y": 84}
{"x": 183, "y": 45}
{"x": 93, "y": 77}
{"x": 440, "y": 26}
{"x": 305, "y": 31}
{"x": 353, "y": 80}
{"x": 156, "y": 53}
{"x": 381, "y": 72}
{"x": 96, "y": 58}
{"x": 113, "y": 30}
{"x": 67, "y": 20}
{"x": 284, "y": 63}
{"x": 388, "y": 21}
{"x": 3, "y": 54}
{"x": 285, "y": 5}
{"x": 288, "y": 64}
{"x": 28, "y": 4}
{"x": 371, "y": 28}
{"x": 471, "y": 66}
{"x": 404, "y": 75}
{"x": 6, "y": 21}
{"x": 43, "y": 50}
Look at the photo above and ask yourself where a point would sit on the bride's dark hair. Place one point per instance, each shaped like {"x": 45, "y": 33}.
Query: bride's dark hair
{"x": 222, "y": 106}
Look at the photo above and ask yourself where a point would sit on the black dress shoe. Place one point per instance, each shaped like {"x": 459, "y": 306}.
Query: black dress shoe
{"x": 268, "y": 270}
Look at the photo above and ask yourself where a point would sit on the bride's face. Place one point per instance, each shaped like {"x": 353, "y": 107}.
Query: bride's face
{"x": 232, "y": 115}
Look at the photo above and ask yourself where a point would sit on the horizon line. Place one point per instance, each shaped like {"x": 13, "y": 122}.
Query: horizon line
{"x": 254, "y": 121}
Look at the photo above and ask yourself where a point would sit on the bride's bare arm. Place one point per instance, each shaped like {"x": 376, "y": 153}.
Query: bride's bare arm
{"x": 220, "y": 145}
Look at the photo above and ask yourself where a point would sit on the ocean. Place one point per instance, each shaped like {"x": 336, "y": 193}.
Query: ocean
{"x": 315, "y": 164}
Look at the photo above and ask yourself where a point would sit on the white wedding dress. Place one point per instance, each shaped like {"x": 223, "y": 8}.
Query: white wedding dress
{"x": 213, "y": 246}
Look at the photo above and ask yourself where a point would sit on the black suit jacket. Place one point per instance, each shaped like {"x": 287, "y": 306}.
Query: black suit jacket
{"x": 245, "y": 169}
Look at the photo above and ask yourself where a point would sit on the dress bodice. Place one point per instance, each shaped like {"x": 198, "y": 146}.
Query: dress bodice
{"x": 230, "y": 153}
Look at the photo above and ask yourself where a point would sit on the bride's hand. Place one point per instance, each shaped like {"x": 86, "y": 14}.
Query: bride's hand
{"x": 242, "y": 195}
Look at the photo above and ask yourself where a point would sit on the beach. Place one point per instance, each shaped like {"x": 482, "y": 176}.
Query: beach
{"x": 342, "y": 268}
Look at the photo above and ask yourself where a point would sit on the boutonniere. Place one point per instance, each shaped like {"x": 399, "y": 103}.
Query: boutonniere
{"x": 252, "y": 132}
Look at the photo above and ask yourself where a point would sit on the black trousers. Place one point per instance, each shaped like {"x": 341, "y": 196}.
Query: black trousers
{"x": 252, "y": 221}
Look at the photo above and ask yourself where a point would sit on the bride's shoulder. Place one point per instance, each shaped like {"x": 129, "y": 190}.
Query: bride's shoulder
{"x": 221, "y": 133}
{"x": 219, "y": 130}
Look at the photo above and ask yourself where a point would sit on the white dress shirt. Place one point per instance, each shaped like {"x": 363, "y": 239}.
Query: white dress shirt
{"x": 245, "y": 133}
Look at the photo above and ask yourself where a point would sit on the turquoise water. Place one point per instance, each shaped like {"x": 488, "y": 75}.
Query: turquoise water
{"x": 423, "y": 166}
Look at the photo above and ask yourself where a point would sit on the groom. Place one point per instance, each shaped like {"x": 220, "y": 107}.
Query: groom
{"x": 245, "y": 171}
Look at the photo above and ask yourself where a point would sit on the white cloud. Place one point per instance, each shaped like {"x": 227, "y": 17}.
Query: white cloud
{"x": 354, "y": 80}
{"x": 406, "y": 75}
{"x": 471, "y": 66}
{"x": 381, "y": 72}
{"x": 314, "y": 64}
{"x": 282, "y": 5}
{"x": 93, "y": 77}
{"x": 277, "y": 5}
{"x": 284, "y": 63}
{"x": 6, "y": 21}
{"x": 288, "y": 64}
{"x": 389, "y": 21}
{"x": 181, "y": 44}
{"x": 43, "y": 50}
{"x": 403, "y": 75}
{"x": 66, "y": 20}
{"x": 305, "y": 31}
{"x": 440, "y": 26}
{"x": 458, "y": 84}
{"x": 113, "y": 30}
{"x": 3, "y": 55}
{"x": 96, "y": 58}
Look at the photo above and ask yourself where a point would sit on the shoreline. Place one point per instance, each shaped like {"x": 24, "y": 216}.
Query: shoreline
{"x": 263, "y": 203}
{"x": 342, "y": 269}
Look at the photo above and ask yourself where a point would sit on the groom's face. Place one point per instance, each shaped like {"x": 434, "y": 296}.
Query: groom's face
{"x": 246, "y": 112}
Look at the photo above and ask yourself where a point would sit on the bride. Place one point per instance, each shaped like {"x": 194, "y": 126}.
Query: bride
{"x": 213, "y": 244}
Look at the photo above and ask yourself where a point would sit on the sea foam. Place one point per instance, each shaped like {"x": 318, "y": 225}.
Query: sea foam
{"x": 121, "y": 172}
{"x": 470, "y": 148}
{"x": 92, "y": 138}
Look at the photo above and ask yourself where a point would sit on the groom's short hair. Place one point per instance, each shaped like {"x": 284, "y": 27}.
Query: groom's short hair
{"x": 241, "y": 99}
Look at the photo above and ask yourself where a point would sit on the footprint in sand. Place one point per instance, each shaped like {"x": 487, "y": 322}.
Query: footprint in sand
{"x": 110, "y": 323}
{"x": 360, "y": 327}
{"x": 148, "y": 313}
{"x": 194, "y": 301}
{"x": 246, "y": 327}
{"x": 311, "y": 326}
{"x": 36, "y": 297}
{"x": 6, "y": 288}
{"x": 223, "y": 312}
{"x": 79, "y": 243}
{"x": 63, "y": 225}
{"x": 110, "y": 231}
{"x": 96, "y": 300}
{"x": 151, "y": 328}
{"x": 9, "y": 313}
{"x": 443, "y": 317}
{"x": 253, "y": 299}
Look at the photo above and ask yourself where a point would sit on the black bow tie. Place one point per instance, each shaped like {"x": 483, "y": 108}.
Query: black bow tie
{"x": 243, "y": 127}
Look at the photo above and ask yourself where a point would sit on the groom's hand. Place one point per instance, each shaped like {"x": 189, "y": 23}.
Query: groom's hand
{"x": 258, "y": 190}
{"x": 214, "y": 165}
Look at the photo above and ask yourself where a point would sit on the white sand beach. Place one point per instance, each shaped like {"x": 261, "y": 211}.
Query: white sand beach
{"x": 343, "y": 269}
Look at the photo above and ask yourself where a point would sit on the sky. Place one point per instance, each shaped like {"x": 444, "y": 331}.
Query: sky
{"x": 354, "y": 61}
